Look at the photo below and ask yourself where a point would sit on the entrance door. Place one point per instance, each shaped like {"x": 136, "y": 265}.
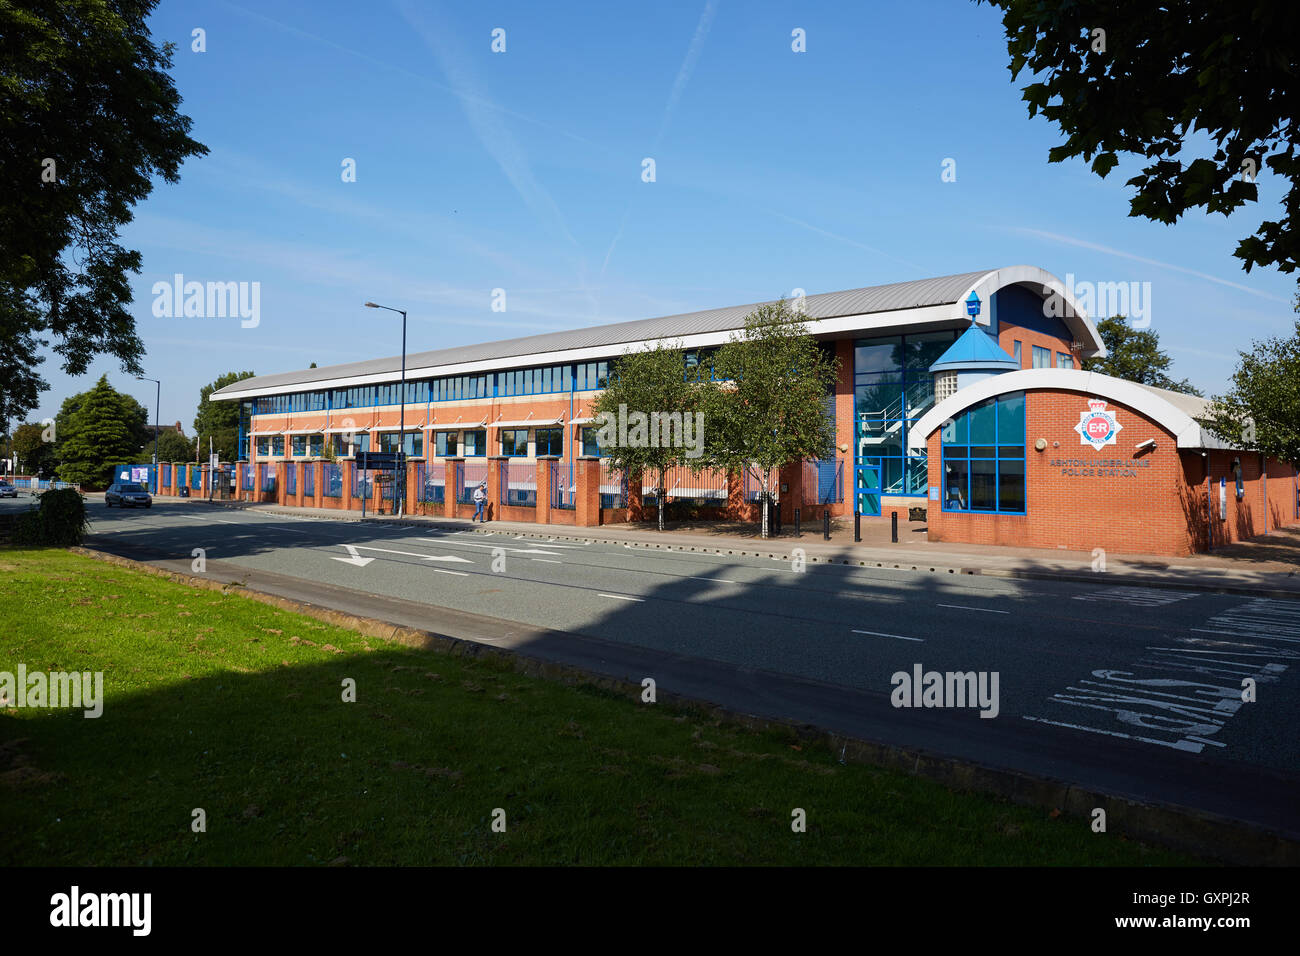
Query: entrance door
{"x": 867, "y": 489}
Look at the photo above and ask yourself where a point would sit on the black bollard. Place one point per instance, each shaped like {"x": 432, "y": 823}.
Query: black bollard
{"x": 826, "y": 524}
{"x": 797, "y": 532}
{"x": 857, "y": 526}
{"x": 893, "y": 526}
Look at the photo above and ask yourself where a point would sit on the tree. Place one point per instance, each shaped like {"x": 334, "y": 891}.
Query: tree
{"x": 135, "y": 415}
{"x": 88, "y": 119}
{"x": 33, "y": 443}
{"x": 770, "y": 412}
{"x": 1158, "y": 79}
{"x": 1135, "y": 355}
{"x": 99, "y": 434}
{"x": 644, "y": 397}
{"x": 1261, "y": 410}
{"x": 219, "y": 420}
{"x": 172, "y": 446}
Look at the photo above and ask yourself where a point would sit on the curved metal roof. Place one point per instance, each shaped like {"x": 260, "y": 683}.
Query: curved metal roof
{"x": 881, "y": 298}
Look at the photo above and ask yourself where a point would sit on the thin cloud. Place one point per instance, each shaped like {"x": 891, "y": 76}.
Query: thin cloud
{"x": 852, "y": 242}
{"x": 1097, "y": 247}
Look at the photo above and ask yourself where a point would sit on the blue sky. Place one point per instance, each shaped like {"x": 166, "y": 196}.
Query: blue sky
{"x": 521, "y": 171}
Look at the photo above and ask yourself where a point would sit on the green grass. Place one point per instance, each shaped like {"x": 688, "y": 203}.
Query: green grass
{"x": 217, "y": 701}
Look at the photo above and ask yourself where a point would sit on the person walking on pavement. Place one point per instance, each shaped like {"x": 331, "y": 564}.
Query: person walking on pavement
{"x": 480, "y": 500}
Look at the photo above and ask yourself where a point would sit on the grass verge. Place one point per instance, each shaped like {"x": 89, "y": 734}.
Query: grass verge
{"x": 221, "y": 703}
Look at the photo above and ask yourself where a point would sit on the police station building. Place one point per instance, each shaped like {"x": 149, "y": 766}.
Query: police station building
{"x": 962, "y": 395}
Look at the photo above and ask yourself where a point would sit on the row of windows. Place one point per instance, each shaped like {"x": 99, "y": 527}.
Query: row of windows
{"x": 582, "y": 377}
{"x": 1042, "y": 357}
{"x": 471, "y": 443}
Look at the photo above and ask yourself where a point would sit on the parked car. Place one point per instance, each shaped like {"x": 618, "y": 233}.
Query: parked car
{"x": 127, "y": 494}
{"x": 7, "y": 490}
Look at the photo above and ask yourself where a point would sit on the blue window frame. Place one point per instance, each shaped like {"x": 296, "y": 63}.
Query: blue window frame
{"x": 445, "y": 444}
{"x": 1016, "y": 353}
{"x": 514, "y": 442}
{"x": 1064, "y": 360}
{"x": 1042, "y": 357}
{"x": 475, "y": 443}
{"x": 983, "y": 458}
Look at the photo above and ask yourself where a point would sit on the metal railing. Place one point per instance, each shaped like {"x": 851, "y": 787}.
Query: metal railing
{"x": 518, "y": 483}
{"x": 332, "y": 481}
{"x": 309, "y": 480}
{"x": 823, "y": 481}
{"x": 473, "y": 474}
{"x": 431, "y": 482}
{"x": 564, "y": 485}
{"x": 708, "y": 487}
{"x": 613, "y": 486}
{"x": 291, "y": 478}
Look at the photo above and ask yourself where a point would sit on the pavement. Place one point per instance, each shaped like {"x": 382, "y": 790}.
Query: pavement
{"x": 1118, "y": 688}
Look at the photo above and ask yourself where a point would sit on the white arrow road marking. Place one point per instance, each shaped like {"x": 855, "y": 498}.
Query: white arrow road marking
{"x": 493, "y": 547}
{"x": 355, "y": 558}
{"x": 412, "y": 554}
{"x": 533, "y": 551}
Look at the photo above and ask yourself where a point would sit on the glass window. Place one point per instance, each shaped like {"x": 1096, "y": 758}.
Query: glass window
{"x": 590, "y": 446}
{"x": 878, "y": 355}
{"x": 984, "y": 457}
{"x": 475, "y": 443}
{"x": 1042, "y": 357}
{"x": 1064, "y": 360}
{"x": 299, "y": 445}
{"x": 277, "y": 446}
{"x": 1016, "y": 353}
{"x": 550, "y": 441}
{"x": 263, "y": 447}
{"x": 315, "y": 445}
{"x": 514, "y": 442}
{"x": 445, "y": 444}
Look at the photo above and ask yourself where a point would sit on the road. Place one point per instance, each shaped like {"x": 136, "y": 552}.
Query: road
{"x": 1133, "y": 691}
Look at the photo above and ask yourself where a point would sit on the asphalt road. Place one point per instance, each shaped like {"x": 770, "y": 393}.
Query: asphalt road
{"x": 1134, "y": 691}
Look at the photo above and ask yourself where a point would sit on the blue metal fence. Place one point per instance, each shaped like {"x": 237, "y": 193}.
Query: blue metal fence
{"x": 563, "y": 485}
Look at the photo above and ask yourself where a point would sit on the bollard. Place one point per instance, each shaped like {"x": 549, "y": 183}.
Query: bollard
{"x": 797, "y": 532}
{"x": 893, "y": 526}
{"x": 826, "y": 524}
{"x": 857, "y": 526}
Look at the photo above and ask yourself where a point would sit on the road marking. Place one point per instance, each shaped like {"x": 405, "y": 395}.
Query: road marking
{"x": 1137, "y": 597}
{"x": 546, "y": 560}
{"x": 623, "y": 597}
{"x": 494, "y": 547}
{"x": 897, "y": 637}
{"x": 1179, "y": 745}
{"x": 412, "y": 554}
{"x": 459, "y": 574}
{"x": 696, "y": 577}
{"x": 355, "y": 559}
{"x": 964, "y": 607}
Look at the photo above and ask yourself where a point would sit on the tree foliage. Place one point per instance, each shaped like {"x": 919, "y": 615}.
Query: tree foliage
{"x": 1261, "y": 410}
{"x": 770, "y": 411}
{"x": 1160, "y": 81}
{"x": 88, "y": 119}
{"x": 172, "y": 446}
{"x": 651, "y": 381}
{"x": 219, "y": 420}
{"x": 103, "y": 429}
{"x": 35, "y": 454}
{"x": 1135, "y": 355}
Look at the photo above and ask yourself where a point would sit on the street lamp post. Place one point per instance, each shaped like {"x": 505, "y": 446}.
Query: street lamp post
{"x": 399, "y": 493}
{"x": 156, "y": 413}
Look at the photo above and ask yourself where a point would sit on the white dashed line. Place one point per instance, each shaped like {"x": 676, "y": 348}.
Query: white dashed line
{"x": 897, "y": 637}
{"x": 623, "y": 597}
{"x": 964, "y": 607}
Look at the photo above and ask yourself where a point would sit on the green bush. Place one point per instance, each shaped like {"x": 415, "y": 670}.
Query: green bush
{"x": 59, "y": 520}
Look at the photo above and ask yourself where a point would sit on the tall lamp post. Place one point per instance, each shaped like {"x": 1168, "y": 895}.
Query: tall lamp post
{"x": 156, "y": 413}
{"x": 399, "y": 494}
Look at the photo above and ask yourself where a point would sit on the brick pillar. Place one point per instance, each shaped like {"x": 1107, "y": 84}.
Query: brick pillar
{"x": 318, "y": 479}
{"x": 635, "y": 499}
{"x": 494, "y": 488}
{"x": 586, "y": 498}
{"x": 792, "y": 497}
{"x": 413, "y": 505}
{"x": 452, "y": 508}
{"x": 544, "y": 488}
{"x": 281, "y": 482}
{"x": 345, "y": 469}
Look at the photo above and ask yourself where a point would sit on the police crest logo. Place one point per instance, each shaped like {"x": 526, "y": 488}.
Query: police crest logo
{"x": 1097, "y": 427}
